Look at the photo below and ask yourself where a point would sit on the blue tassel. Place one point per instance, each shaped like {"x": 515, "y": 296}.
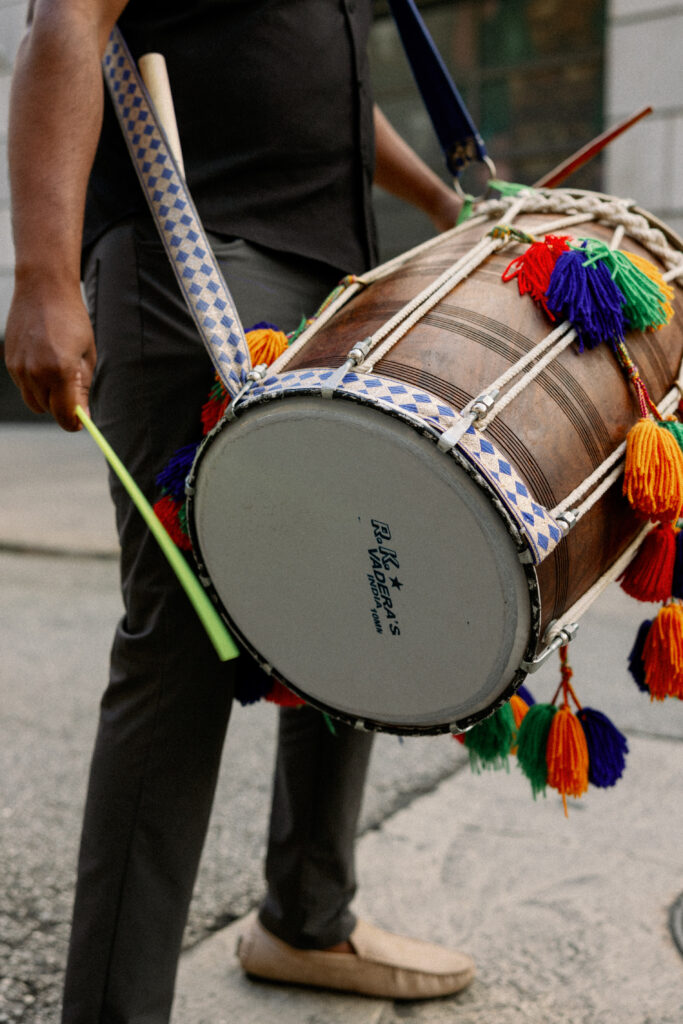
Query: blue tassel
{"x": 635, "y": 658}
{"x": 251, "y": 685}
{"x": 262, "y": 325}
{"x": 525, "y": 695}
{"x": 677, "y": 585}
{"x": 586, "y": 295}
{"x": 607, "y": 748}
{"x": 172, "y": 477}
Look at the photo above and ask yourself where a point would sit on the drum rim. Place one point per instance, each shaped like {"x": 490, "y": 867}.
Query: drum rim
{"x": 432, "y": 434}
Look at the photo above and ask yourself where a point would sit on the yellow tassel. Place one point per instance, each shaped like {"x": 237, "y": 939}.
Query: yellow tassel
{"x": 667, "y": 292}
{"x": 567, "y": 755}
{"x": 519, "y": 709}
{"x": 663, "y": 654}
{"x": 653, "y": 474}
{"x": 265, "y": 345}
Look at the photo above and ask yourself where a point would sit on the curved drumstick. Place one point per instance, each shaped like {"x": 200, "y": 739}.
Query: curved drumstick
{"x": 213, "y": 624}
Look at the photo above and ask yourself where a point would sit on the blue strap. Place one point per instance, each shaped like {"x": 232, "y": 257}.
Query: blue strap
{"x": 461, "y": 142}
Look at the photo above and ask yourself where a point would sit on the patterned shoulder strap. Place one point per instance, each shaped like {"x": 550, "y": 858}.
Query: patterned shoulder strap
{"x": 199, "y": 276}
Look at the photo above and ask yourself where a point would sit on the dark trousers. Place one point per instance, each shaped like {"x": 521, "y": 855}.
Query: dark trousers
{"x": 165, "y": 711}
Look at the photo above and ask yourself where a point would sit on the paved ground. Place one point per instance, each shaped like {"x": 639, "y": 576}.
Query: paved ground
{"x": 568, "y": 920}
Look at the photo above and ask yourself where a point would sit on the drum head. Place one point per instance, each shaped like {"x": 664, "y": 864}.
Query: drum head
{"x": 361, "y": 563}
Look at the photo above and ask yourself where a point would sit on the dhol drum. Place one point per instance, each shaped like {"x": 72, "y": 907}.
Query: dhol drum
{"x": 396, "y": 548}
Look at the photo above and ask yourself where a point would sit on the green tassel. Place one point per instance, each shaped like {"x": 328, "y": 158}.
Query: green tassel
{"x": 644, "y": 300}
{"x": 488, "y": 743}
{"x": 675, "y": 429}
{"x": 506, "y": 188}
{"x": 532, "y": 741}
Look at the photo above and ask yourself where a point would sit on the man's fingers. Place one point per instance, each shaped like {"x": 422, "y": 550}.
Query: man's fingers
{"x": 63, "y": 400}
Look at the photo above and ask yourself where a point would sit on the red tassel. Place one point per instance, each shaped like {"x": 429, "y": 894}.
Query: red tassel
{"x": 663, "y": 654}
{"x": 650, "y": 575}
{"x": 214, "y": 408}
{"x": 534, "y": 267}
{"x": 284, "y": 697}
{"x": 167, "y": 511}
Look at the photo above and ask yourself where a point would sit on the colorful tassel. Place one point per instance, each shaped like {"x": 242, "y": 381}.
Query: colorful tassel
{"x": 488, "y": 742}
{"x": 664, "y": 289}
{"x": 280, "y": 694}
{"x": 653, "y": 473}
{"x": 645, "y": 298}
{"x": 585, "y": 294}
{"x": 567, "y": 755}
{"x": 663, "y": 654}
{"x": 519, "y": 709}
{"x": 534, "y": 267}
{"x": 607, "y": 748}
{"x": 168, "y": 510}
{"x": 172, "y": 478}
{"x": 525, "y": 693}
{"x": 266, "y": 343}
{"x": 675, "y": 428}
{"x": 649, "y": 577}
{"x": 532, "y": 742}
{"x": 214, "y": 408}
{"x": 636, "y": 665}
{"x": 253, "y": 685}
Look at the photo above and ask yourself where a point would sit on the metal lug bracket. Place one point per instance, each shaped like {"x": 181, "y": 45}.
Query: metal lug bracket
{"x": 565, "y": 636}
{"x": 353, "y": 359}
{"x": 256, "y": 374}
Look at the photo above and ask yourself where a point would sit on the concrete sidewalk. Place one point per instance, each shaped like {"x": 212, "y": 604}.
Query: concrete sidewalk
{"x": 567, "y": 919}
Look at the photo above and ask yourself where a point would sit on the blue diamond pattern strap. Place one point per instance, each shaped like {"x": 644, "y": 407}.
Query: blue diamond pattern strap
{"x": 198, "y": 274}
{"x": 456, "y": 131}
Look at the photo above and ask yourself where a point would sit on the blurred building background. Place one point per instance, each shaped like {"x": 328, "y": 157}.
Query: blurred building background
{"x": 540, "y": 77}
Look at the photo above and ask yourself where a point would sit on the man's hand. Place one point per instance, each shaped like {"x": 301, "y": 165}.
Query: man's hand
{"x": 50, "y": 350}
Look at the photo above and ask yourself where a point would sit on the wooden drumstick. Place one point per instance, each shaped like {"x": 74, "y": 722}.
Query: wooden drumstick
{"x": 558, "y": 174}
{"x": 155, "y": 76}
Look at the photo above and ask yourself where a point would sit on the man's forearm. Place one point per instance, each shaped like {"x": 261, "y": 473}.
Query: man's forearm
{"x": 55, "y": 117}
{"x": 399, "y": 170}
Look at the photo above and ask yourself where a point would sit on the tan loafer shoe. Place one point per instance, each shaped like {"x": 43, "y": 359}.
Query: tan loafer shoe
{"x": 384, "y": 965}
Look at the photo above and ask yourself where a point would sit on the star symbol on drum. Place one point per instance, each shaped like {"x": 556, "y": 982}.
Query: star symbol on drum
{"x": 395, "y": 582}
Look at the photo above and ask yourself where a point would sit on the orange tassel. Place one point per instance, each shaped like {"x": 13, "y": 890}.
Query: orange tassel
{"x": 567, "y": 755}
{"x": 653, "y": 474}
{"x": 663, "y": 654}
{"x": 519, "y": 709}
{"x": 265, "y": 345}
{"x": 650, "y": 575}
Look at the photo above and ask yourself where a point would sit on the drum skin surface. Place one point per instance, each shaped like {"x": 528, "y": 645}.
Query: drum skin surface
{"x": 367, "y": 569}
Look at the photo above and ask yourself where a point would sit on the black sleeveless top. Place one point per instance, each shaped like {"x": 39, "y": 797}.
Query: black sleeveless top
{"x": 274, "y": 113}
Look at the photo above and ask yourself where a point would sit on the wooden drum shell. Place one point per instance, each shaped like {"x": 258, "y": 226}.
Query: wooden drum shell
{"x": 560, "y": 428}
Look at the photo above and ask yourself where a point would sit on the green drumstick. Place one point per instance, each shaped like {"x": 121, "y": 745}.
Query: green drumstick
{"x": 209, "y": 617}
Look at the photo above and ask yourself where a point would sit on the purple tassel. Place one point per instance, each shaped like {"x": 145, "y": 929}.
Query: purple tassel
{"x": 525, "y": 695}
{"x": 677, "y": 585}
{"x": 587, "y": 297}
{"x": 635, "y": 658}
{"x": 251, "y": 684}
{"x": 607, "y": 748}
{"x": 173, "y": 475}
